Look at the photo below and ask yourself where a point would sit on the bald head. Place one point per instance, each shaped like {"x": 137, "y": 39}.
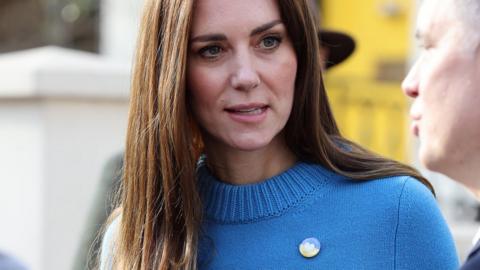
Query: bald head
{"x": 461, "y": 17}
{"x": 468, "y": 10}
{"x": 468, "y": 13}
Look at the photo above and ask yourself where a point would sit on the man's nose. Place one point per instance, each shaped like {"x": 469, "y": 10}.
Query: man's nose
{"x": 410, "y": 83}
{"x": 244, "y": 74}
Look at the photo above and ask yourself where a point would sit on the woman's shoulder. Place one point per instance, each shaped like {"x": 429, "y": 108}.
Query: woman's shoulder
{"x": 387, "y": 183}
{"x": 408, "y": 187}
{"x": 400, "y": 185}
{"x": 414, "y": 203}
{"x": 405, "y": 186}
{"x": 108, "y": 244}
{"x": 388, "y": 190}
{"x": 394, "y": 192}
{"x": 422, "y": 231}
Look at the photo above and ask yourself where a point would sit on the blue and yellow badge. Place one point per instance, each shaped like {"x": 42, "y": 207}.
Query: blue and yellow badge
{"x": 309, "y": 247}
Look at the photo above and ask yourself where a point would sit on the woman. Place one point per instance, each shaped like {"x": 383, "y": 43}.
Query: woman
{"x": 234, "y": 160}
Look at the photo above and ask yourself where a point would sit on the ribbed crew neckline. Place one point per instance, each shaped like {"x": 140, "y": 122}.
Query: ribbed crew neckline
{"x": 226, "y": 203}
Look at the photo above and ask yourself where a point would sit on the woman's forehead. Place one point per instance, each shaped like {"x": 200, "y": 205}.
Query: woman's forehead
{"x": 235, "y": 15}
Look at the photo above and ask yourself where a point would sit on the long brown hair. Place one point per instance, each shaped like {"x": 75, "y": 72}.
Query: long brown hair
{"x": 159, "y": 205}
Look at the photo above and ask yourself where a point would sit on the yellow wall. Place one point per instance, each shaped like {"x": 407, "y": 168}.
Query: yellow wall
{"x": 365, "y": 90}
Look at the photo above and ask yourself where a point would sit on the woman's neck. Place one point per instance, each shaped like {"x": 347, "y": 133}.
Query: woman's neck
{"x": 239, "y": 167}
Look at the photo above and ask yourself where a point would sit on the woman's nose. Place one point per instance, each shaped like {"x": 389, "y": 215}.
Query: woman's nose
{"x": 244, "y": 75}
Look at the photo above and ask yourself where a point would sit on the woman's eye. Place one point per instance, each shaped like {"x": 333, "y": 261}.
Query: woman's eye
{"x": 270, "y": 43}
{"x": 210, "y": 52}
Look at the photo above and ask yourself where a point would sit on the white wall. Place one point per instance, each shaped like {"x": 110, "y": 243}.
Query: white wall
{"x": 21, "y": 180}
{"x": 56, "y": 151}
{"x": 62, "y": 116}
{"x": 81, "y": 137}
{"x": 56, "y": 134}
{"x": 119, "y": 27}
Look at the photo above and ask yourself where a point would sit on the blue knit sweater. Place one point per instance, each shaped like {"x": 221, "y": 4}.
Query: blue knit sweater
{"x": 391, "y": 223}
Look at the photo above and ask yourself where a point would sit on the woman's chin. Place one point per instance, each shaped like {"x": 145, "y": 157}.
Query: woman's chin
{"x": 249, "y": 145}
{"x": 243, "y": 142}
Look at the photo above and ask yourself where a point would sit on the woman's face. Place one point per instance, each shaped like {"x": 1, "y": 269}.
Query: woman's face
{"x": 241, "y": 73}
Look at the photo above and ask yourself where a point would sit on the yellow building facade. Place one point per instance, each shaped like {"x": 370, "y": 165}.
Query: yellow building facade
{"x": 365, "y": 90}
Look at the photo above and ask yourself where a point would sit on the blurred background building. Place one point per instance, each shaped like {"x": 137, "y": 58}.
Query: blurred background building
{"x": 64, "y": 79}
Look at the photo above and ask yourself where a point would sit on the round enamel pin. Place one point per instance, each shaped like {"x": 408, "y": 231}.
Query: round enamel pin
{"x": 309, "y": 247}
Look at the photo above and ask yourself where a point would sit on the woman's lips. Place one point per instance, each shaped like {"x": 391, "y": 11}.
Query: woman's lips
{"x": 251, "y": 113}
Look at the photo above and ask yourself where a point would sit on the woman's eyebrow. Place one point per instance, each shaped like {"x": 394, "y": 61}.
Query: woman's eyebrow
{"x": 222, "y": 37}
{"x": 264, "y": 27}
{"x": 209, "y": 37}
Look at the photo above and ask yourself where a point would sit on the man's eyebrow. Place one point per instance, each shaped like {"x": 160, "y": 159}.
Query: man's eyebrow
{"x": 264, "y": 27}
{"x": 419, "y": 35}
{"x": 222, "y": 37}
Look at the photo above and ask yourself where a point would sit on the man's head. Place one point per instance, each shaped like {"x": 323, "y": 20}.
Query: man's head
{"x": 445, "y": 85}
